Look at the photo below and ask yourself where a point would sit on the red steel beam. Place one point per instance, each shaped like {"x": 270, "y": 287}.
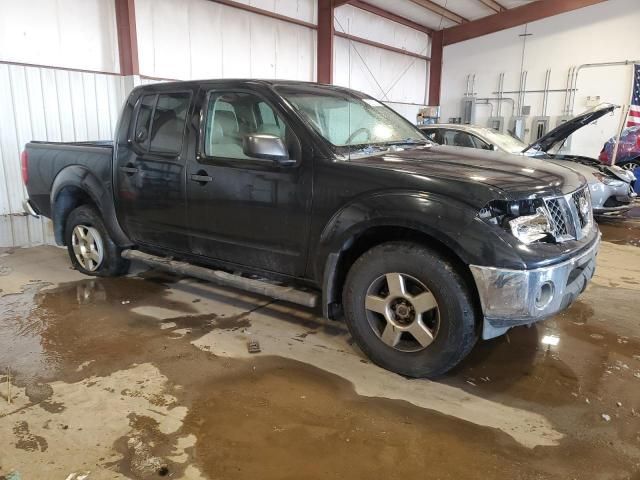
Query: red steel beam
{"x": 493, "y": 5}
{"x": 440, "y": 10}
{"x": 324, "y": 41}
{"x": 512, "y": 18}
{"x": 435, "y": 68}
{"x": 339, "y": 3}
{"x": 265, "y": 13}
{"x": 382, "y": 46}
{"x": 390, "y": 16}
{"x": 127, "y": 37}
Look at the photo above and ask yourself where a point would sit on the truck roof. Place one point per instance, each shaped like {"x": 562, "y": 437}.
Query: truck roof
{"x": 239, "y": 82}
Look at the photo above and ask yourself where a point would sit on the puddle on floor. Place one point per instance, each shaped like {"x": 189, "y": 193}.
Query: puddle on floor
{"x": 269, "y": 417}
{"x": 622, "y": 230}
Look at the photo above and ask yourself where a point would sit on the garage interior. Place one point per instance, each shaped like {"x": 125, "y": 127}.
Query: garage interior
{"x": 153, "y": 374}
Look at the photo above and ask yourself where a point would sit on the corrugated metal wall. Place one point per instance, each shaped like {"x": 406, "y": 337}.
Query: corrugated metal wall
{"x": 398, "y": 80}
{"x": 185, "y": 39}
{"x": 47, "y": 104}
{"x": 195, "y": 39}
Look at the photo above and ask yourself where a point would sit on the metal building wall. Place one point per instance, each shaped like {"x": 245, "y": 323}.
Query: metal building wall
{"x": 55, "y": 104}
{"x": 398, "y": 80}
{"x": 184, "y": 39}
{"x": 47, "y": 104}
{"x": 195, "y": 39}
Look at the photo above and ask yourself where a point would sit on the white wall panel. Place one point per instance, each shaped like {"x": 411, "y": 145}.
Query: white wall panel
{"x": 66, "y": 33}
{"x": 388, "y": 76}
{"x": 53, "y": 105}
{"x": 599, "y": 33}
{"x": 192, "y": 39}
{"x": 304, "y": 10}
{"x": 367, "y": 25}
{"x": 396, "y": 79}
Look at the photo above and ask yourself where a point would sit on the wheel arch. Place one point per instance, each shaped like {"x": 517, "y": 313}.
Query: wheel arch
{"x": 74, "y": 186}
{"x": 338, "y": 263}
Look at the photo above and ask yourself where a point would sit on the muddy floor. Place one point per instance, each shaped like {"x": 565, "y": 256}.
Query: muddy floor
{"x": 149, "y": 376}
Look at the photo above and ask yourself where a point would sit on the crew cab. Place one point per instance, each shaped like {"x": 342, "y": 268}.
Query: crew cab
{"x": 323, "y": 196}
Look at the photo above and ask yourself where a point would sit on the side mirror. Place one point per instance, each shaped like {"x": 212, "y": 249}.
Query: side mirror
{"x": 491, "y": 146}
{"x": 266, "y": 147}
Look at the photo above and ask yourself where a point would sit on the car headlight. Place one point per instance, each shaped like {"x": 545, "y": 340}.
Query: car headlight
{"x": 527, "y": 220}
{"x": 530, "y": 228}
{"x": 622, "y": 174}
{"x": 608, "y": 180}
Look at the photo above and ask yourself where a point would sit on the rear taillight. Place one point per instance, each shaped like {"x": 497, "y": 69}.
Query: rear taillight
{"x": 24, "y": 163}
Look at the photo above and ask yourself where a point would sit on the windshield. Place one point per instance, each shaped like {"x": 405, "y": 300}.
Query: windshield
{"x": 351, "y": 121}
{"x": 503, "y": 141}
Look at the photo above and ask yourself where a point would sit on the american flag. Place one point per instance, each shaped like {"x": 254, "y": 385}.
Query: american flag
{"x": 634, "y": 110}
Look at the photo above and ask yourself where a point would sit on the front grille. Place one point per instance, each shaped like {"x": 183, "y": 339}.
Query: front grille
{"x": 559, "y": 223}
{"x": 580, "y": 199}
{"x": 570, "y": 215}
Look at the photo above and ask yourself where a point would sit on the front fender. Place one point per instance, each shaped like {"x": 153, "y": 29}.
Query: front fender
{"x": 68, "y": 188}
{"x": 451, "y": 222}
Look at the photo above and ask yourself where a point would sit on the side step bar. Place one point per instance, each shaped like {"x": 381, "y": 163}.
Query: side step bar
{"x": 225, "y": 279}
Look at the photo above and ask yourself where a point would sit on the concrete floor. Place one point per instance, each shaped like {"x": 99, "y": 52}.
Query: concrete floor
{"x": 149, "y": 376}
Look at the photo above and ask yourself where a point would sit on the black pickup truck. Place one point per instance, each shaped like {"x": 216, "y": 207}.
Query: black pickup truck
{"x": 322, "y": 195}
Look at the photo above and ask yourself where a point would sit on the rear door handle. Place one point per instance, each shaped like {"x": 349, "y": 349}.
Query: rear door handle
{"x": 129, "y": 169}
{"x": 201, "y": 178}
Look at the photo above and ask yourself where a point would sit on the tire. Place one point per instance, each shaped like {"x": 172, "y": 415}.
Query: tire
{"x": 450, "y": 326}
{"x": 87, "y": 239}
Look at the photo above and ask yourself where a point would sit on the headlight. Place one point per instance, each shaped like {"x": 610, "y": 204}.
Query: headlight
{"x": 607, "y": 180}
{"x": 622, "y": 174}
{"x": 529, "y": 228}
{"x": 527, "y": 220}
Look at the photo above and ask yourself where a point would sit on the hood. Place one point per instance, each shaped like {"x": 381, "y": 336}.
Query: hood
{"x": 585, "y": 170}
{"x": 563, "y": 131}
{"x": 515, "y": 176}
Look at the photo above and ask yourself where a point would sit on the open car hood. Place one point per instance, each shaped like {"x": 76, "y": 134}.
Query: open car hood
{"x": 562, "y": 132}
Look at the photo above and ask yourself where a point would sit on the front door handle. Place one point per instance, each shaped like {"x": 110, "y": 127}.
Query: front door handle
{"x": 201, "y": 177}
{"x": 129, "y": 169}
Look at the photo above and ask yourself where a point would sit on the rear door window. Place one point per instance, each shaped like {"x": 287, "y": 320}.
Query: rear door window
{"x": 167, "y": 127}
{"x": 160, "y": 122}
{"x": 143, "y": 121}
{"x": 479, "y": 143}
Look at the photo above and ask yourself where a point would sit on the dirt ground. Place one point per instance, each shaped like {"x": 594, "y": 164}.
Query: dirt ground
{"x": 149, "y": 376}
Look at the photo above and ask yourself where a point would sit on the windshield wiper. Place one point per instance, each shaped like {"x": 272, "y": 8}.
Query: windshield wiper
{"x": 408, "y": 141}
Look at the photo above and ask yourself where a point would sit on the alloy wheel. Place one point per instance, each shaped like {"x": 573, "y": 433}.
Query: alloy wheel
{"x": 87, "y": 247}
{"x": 402, "y": 312}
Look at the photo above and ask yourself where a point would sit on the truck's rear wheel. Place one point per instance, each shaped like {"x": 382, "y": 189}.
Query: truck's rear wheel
{"x": 90, "y": 248}
{"x": 409, "y": 310}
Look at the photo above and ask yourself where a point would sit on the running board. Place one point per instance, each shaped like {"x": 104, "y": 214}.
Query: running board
{"x": 225, "y": 279}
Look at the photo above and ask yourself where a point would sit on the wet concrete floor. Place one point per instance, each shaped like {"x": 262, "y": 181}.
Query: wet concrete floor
{"x": 149, "y": 376}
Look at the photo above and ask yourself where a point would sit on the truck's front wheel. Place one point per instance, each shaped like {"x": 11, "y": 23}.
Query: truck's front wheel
{"x": 91, "y": 249}
{"x": 409, "y": 310}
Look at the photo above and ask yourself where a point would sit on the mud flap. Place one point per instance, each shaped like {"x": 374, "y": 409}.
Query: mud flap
{"x": 489, "y": 331}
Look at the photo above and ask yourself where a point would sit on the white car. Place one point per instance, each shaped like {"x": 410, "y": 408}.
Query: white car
{"x": 611, "y": 187}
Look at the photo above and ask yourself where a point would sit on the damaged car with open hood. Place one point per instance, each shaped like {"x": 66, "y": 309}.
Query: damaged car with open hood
{"x": 611, "y": 187}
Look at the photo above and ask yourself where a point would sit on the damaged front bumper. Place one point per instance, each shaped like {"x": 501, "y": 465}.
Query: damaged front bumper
{"x": 518, "y": 297}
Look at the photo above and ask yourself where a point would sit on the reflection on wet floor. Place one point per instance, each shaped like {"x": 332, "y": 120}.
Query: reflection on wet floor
{"x": 622, "y": 230}
{"x": 270, "y": 417}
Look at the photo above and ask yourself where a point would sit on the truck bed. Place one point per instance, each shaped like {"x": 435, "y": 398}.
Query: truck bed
{"x": 47, "y": 159}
